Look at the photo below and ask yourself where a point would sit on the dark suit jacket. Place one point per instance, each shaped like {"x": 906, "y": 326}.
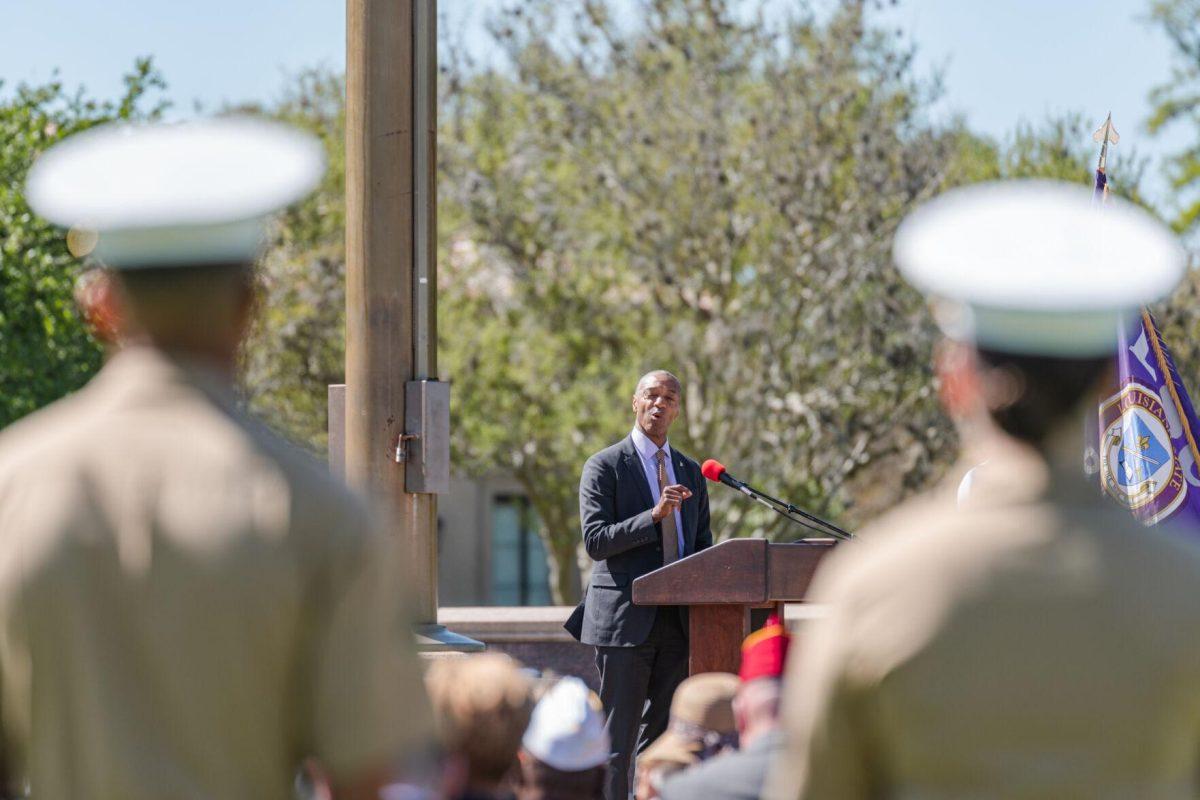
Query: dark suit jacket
{"x": 626, "y": 543}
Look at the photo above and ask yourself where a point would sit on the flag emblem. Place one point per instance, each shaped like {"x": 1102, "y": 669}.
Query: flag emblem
{"x": 1139, "y": 467}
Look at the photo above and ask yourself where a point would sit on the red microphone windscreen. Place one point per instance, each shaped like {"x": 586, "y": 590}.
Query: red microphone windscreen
{"x": 712, "y": 469}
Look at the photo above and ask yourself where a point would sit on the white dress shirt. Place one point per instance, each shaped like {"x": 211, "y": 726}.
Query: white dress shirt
{"x": 646, "y": 449}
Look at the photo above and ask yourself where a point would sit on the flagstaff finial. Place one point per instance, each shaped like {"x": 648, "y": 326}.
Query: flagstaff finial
{"x": 1105, "y": 134}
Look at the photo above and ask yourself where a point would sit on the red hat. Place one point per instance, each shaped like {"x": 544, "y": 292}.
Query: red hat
{"x": 765, "y": 651}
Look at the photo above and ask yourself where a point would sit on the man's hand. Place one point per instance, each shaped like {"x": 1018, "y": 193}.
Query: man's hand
{"x": 672, "y": 497}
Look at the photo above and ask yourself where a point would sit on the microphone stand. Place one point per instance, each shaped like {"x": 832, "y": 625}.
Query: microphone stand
{"x": 787, "y": 510}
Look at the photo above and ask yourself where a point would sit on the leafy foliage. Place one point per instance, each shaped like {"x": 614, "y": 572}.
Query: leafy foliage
{"x": 1059, "y": 148}
{"x": 714, "y": 194}
{"x": 298, "y": 347}
{"x": 45, "y": 350}
{"x": 699, "y": 190}
{"x": 1177, "y": 101}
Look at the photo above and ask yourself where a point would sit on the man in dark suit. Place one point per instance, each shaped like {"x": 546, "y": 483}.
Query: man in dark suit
{"x": 642, "y": 505}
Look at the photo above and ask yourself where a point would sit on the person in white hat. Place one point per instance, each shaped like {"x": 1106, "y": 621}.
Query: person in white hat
{"x": 189, "y": 607}
{"x": 1036, "y": 642}
{"x": 564, "y": 753}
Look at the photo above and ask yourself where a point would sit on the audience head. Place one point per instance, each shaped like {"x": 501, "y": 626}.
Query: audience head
{"x": 701, "y": 726}
{"x": 702, "y": 713}
{"x": 756, "y": 706}
{"x": 482, "y": 705}
{"x": 565, "y": 750}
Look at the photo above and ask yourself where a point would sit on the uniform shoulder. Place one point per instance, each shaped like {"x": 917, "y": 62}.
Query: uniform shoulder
{"x": 44, "y": 432}
{"x": 910, "y": 538}
{"x": 1166, "y": 556}
{"x": 314, "y": 486}
{"x": 929, "y": 542}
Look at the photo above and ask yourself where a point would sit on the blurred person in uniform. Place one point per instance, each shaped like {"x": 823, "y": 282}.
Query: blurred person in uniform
{"x": 189, "y": 607}
{"x": 482, "y": 704}
{"x": 1037, "y": 641}
{"x": 666, "y": 757}
{"x": 701, "y": 724}
{"x": 564, "y": 753}
{"x": 740, "y": 774}
{"x": 642, "y": 505}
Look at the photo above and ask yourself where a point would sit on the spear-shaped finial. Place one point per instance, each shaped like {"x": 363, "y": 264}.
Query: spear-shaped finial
{"x": 1106, "y": 134}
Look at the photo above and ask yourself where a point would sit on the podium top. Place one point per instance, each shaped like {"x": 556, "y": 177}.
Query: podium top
{"x": 745, "y": 571}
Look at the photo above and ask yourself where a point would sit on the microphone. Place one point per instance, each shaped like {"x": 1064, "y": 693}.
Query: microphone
{"x": 715, "y": 471}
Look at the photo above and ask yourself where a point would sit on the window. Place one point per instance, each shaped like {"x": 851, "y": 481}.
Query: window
{"x": 520, "y": 576}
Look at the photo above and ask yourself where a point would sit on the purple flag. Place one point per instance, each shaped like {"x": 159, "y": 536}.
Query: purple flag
{"x": 1148, "y": 428}
{"x": 1147, "y": 457}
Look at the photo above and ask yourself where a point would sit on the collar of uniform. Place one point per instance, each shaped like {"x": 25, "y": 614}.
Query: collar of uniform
{"x": 646, "y": 448}
{"x": 143, "y": 372}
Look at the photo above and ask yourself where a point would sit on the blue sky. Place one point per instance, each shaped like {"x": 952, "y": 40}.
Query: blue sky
{"x": 1003, "y": 60}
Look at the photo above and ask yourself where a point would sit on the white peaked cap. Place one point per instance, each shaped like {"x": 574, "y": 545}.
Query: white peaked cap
{"x": 566, "y": 731}
{"x": 163, "y": 194}
{"x": 1036, "y": 266}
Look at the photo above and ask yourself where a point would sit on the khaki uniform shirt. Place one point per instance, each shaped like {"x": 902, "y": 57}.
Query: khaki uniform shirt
{"x": 188, "y": 606}
{"x": 1037, "y": 643}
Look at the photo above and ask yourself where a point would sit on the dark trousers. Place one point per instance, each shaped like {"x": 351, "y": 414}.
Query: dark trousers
{"x": 636, "y": 686}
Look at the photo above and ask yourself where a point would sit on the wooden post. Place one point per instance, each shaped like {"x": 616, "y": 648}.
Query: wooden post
{"x": 715, "y": 637}
{"x": 391, "y": 280}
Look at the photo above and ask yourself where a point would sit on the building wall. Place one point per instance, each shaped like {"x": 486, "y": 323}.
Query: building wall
{"x": 466, "y": 519}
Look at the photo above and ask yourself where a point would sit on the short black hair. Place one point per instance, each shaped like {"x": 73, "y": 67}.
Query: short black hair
{"x": 1048, "y": 390}
{"x": 155, "y": 279}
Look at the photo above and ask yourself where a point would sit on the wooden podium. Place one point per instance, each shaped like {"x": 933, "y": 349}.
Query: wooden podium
{"x": 722, "y": 584}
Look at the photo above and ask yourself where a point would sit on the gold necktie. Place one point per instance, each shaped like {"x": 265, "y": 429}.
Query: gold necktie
{"x": 669, "y": 532}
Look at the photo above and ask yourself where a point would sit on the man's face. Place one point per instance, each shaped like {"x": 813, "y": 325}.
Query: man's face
{"x": 656, "y": 404}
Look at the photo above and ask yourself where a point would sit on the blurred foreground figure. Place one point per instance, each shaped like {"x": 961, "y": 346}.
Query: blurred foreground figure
{"x": 661, "y": 760}
{"x": 481, "y": 705}
{"x": 564, "y": 754}
{"x": 188, "y": 606}
{"x": 1037, "y": 642}
{"x": 701, "y": 726}
{"x": 739, "y": 775}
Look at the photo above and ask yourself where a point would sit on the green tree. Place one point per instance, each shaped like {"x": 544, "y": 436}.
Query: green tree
{"x": 712, "y": 192}
{"x": 1177, "y": 100}
{"x": 45, "y": 350}
{"x": 298, "y": 345}
{"x": 1058, "y": 148}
